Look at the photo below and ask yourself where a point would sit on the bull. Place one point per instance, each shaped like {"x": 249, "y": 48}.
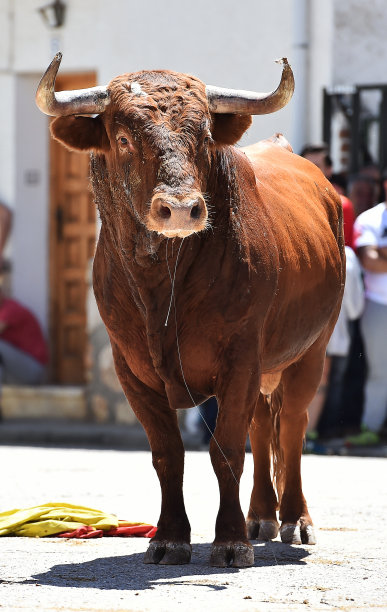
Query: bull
{"x": 243, "y": 248}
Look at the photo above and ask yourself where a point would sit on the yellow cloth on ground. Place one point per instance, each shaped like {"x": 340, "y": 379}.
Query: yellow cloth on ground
{"x": 53, "y": 518}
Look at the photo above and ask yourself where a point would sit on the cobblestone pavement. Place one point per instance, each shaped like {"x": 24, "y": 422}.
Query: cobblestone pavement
{"x": 346, "y": 570}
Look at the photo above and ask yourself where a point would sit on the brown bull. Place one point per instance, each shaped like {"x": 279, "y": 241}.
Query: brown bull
{"x": 244, "y": 249}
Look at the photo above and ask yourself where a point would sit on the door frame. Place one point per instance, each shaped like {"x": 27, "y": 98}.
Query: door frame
{"x": 64, "y": 82}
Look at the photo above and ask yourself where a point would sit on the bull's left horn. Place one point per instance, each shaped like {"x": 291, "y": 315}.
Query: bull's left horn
{"x": 89, "y": 101}
{"x": 249, "y": 102}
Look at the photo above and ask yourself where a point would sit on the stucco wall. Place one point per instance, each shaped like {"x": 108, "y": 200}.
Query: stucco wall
{"x": 321, "y": 62}
{"x": 7, "y": 140}
{"x": 360, "y": 43}
{"x": 30, "y": 254}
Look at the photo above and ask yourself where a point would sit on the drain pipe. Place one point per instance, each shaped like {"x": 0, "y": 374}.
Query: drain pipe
{"x": 300, "y": 65}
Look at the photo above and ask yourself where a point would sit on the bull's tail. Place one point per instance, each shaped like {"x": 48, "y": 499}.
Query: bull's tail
{"x": 277, "y": 459}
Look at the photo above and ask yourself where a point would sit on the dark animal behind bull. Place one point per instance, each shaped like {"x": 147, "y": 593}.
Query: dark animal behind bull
{"x": 247, "y": 245}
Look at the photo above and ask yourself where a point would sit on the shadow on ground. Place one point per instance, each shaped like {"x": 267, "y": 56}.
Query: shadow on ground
{"x": 130, "y": 573}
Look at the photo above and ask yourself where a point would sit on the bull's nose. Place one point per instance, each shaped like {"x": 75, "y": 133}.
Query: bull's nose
{"x": 174, "y": 216}
{"x": 184, "y": 211}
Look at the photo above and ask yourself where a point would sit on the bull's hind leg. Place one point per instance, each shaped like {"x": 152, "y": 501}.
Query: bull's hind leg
{"x": 300, "y": 383}
{"x": 261, "y": 519}
{"x": 171, "y": 544}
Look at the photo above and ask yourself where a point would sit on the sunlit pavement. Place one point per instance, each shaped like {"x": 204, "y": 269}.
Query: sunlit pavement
{"x": 346, "y": 569}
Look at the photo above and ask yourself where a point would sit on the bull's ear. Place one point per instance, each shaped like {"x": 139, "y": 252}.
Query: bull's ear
{"x": 227, "y": 129}
{"x": 81, "y": 133}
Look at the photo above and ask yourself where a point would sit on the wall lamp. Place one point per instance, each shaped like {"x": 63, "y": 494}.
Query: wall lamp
{"x": 53, "y": 14}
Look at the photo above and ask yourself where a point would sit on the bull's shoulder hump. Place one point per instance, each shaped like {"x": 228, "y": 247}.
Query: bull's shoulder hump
{"x": 277, "y": 140}
{"x": 273, "y": 158}
{"x": 270, "y": 154}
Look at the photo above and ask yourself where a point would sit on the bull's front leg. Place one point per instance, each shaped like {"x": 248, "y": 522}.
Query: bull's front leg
{"x": 236, "y": 399}
{"x": 171, "y": 544}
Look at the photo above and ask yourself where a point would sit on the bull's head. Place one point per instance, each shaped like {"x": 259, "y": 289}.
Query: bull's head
{"x": 156, "y": 131}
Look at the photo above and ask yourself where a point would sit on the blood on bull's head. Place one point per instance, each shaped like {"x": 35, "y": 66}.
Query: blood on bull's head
{"x": 156, "y": 132}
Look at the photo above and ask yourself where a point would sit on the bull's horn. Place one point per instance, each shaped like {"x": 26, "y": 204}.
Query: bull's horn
{"x": 249, "y": 102}
{"x": 89, "y": 101}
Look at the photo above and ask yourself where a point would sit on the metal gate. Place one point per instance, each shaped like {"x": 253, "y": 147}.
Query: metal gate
{"x": 355, "y": 126}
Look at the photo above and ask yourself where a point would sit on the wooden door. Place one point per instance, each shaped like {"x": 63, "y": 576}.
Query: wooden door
{"x": 72, "y": 244}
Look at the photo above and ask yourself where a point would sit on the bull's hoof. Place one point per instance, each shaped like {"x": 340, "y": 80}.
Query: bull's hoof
{"x": 307, "y": 534}
{"x": 252, "y": 528}
{"x": 232, "y": 554}
{"x": 290, "y": 533}
{"x": 168, "y": 553}
{"x": 268, "y": 530}
{"x": 298, "y": 533}
{"x": 263, "y": 531}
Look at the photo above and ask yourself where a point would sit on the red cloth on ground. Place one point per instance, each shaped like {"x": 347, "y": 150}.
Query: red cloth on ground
{"x": 23, "y": 330}
{"x": 86, "y": 532}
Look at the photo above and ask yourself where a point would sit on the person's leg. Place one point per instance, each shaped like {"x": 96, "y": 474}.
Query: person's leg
{"x": 18, "y": 367}
{"x": 354, "y": 381}
{"x": 208, "y": 412}
{"x": 374, "y": 326}
{"x": 316, "y": 405}
{"x": 331, "y": 421}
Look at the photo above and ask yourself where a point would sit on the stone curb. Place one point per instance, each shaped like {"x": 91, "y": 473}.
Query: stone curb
{"x": 38, "y": 432}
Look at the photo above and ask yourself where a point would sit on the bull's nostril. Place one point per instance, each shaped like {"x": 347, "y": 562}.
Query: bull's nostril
{"x": 165, "y": 212}
{"x": 195, "y": 212}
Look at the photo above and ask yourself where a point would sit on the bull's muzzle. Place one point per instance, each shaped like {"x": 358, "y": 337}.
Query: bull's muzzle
{"x": 177, "y": 217}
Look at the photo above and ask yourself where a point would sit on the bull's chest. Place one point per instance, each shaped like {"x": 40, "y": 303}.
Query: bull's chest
{"x": 184, "y": 357}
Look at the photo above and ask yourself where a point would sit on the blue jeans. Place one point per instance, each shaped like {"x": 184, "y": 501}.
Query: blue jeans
{"x": 19, "y": 368}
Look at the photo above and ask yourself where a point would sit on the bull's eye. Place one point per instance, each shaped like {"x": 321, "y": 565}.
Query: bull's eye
{"x": 125, "y": 144}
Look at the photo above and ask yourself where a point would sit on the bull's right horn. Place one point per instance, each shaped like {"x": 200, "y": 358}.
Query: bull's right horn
{"x": 89, "y": 101}
{"x": 222, "y": 100}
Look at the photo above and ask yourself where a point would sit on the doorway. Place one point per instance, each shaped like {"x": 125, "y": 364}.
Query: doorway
{"x": 72, "y": 245}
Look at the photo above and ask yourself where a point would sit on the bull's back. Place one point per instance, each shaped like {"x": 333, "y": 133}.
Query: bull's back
{"x": 304, "y": 218}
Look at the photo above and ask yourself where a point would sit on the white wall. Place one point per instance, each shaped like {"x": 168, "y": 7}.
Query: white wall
{"x": 31, "y": 207}
{"x": 360, "y": 44}
{"x": 7, "y": 141}
{"x": 321, "y": 62}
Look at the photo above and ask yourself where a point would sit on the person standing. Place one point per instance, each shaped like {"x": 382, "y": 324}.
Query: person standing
{"x": 325, "y": 411}
{"x": 332, "y": 380}
{"x": 371, "y": 243}
{"x": 333, "y": 415}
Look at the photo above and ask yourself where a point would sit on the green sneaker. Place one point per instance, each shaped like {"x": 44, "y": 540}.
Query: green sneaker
{"x": 312, "y": 444}
{"x": 365, "y": 438}
{"x": 311, "y": 435}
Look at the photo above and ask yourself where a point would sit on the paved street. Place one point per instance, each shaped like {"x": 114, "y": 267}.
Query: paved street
{"x": 346, "y": 570}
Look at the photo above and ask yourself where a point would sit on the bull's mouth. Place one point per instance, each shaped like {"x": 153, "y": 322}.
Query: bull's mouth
{"x": 179, "y": 233}
{"x": 176, "y": 217}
